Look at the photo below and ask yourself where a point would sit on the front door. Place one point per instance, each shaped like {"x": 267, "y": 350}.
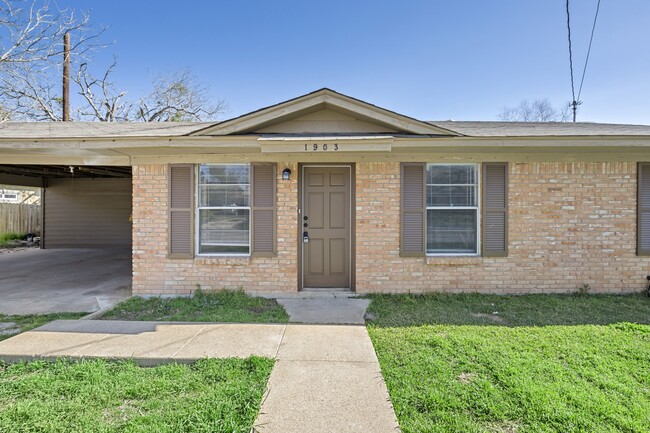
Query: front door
{"x": 325, "y": 225}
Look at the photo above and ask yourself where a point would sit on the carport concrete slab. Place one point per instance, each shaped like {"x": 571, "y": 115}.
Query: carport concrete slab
{"x": 38, "y": 281}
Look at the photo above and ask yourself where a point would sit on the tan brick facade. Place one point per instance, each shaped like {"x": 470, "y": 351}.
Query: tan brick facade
{"x": 154, "y": 273}
{"x": 569, "y": 224}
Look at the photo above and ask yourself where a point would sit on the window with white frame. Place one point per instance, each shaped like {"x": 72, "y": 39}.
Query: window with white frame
{"x": 223, "y": 209}
{"x": 452, "y": 209}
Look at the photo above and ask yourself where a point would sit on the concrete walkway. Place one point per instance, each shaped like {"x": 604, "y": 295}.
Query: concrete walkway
{"x": 325, "y": 309}
{"x": 326, "y": 377}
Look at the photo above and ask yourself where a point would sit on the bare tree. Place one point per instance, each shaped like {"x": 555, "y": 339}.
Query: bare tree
{"x": 31, "y": 57}
{"x": 178, "y": 98}
{"x": 4, "y": 115}
{"x": 102, "y": 101}
{"x": 540, "y": 110}
{"x": 31, "y": 54}
{"x": 175, "y": 98}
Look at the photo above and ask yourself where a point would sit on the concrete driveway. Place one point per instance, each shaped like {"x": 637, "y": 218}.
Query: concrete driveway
{"x": 63, "y": 280}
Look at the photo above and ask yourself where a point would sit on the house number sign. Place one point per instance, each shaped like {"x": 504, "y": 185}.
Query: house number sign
{"x": 325, "y": 147}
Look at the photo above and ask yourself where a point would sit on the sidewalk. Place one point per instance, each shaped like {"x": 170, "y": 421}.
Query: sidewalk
{"x": 326, "y": 377}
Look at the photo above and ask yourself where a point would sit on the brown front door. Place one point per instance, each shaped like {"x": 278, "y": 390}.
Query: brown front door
{"x": 325, "y": 222}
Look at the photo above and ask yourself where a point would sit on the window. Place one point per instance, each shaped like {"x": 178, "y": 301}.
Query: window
{"x": 224, "y": 209}
{"x": 452, "y": 215}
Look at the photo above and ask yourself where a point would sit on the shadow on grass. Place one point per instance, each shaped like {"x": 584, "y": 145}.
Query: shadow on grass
{"x": 503, "y": 310}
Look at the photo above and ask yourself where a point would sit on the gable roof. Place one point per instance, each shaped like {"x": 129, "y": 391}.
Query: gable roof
{"x": 320, "y": 100}
{"x": 478, "y": 129}
{"x": 275, "y": 116}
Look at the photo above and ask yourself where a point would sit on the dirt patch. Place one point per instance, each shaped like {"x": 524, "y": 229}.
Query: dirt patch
{"x": 503, "y": 427}
{"x": 494, "y": 317}
{"x": 16, "y": 246}
{"x": 466, "y": 378}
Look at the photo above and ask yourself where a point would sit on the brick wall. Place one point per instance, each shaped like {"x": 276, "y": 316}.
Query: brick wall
{"x": 569, "y": 224}
{"x": 154, "y": 273}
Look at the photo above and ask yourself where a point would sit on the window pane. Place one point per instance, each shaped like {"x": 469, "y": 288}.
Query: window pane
{"x": 224, "y": 174}
{"x": 451, "y": 195}
{"x": 224, "y": 230}
{"x": 451, "y": 174}
{"x": 451, "y": 231}
{"x": 223, "y": 195}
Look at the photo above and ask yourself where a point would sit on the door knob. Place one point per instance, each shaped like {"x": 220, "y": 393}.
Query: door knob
{"x": 305, "y": 237}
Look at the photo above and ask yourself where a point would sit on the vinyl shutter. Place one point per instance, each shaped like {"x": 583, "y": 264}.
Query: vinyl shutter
{"x": 495, "y": 209}
{"x": 263, "y": 203}
{"x": 413, "y": 210}
{"x": 181, "y": 211}
{"x": 643, "y": 209}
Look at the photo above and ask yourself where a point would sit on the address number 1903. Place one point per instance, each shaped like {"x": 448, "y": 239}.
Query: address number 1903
{"x": 325, "y": 147}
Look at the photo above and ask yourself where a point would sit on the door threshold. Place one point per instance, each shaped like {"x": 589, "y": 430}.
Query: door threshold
{"x": 325, "y": 290}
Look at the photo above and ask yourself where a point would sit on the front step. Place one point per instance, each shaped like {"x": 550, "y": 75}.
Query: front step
{"x": 325, "y": 290}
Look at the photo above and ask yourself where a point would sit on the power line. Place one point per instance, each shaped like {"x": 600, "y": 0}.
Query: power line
{"x": 589, "y": 49}
{"x": 574, "y": 103}
{"x": 568, "y": 25}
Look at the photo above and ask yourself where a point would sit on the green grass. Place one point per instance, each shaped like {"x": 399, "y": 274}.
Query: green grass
{"x": 31, "y": 321}
{"x": 220, "y": 306}
{"x": 6, "y": 238}
{"x": 212, "y": 395}
{"x": 525, "y": 310}
{"x": 542, "y": 364}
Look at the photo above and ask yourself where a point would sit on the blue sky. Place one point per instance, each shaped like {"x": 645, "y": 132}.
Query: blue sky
{"x": 433, "y": 60}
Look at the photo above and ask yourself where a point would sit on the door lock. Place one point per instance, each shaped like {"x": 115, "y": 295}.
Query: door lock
{"x": 305, "y": 237}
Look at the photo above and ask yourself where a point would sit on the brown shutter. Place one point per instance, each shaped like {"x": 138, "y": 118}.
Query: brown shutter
{"x": 181, "y": 211}
{"x": 413, "y": 210}
{"x": 643, "y": 209}
{"x": 263, "y": 218}
{"x": 495, "y": 209}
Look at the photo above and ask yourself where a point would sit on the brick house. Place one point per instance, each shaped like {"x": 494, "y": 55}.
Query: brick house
{"x": 327, "y": 192}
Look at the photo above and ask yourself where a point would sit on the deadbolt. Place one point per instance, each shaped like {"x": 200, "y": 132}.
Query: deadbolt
{"x": 306, "y": 218}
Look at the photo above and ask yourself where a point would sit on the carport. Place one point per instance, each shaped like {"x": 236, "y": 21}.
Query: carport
{"x": 82, "y": 206}
{"x": 84, "y": 170}
{"x": 84, "y": 263}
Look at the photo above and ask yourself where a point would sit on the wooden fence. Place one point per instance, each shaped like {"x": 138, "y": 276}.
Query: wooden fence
{"x": 20, "y": 218}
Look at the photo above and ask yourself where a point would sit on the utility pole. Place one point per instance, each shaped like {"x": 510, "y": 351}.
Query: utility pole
{"x": 66, "y": 77}
{"x": 574, "y": 107}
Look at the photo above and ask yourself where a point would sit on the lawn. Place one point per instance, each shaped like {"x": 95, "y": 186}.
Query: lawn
{"x": 480, "y": 363}
{"x": 212, "y": 395}
{"x": 220, "y": 306}
{"x": 31, "y": 321}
